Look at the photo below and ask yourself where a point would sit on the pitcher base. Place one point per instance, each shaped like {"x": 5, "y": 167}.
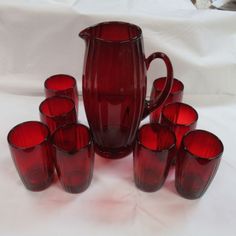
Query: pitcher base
{"x": 114, "y": 153}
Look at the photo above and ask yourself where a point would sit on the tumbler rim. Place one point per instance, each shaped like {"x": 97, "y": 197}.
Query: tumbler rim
{"x": 58, "y": 97}
{"x": 184, "y": 104}
{"x": 154, "y": 150}
{"x": 54, "y": 76}
{"x": 28, "y": 147}
{"x": 174, "y": 79}
{"x": 198, "y": 156}
{"x": 90, "y": 141}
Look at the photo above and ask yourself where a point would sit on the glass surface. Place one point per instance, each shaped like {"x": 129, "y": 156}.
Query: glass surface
{"x": 32, "y": 154}
{"x": 197, "y": 163}
{"x": 57, "y": 111}
{"x": 62, "y": 85}
{"x": 181, "y": 118}
{"x": 74, "y": 157}
{"x": 153, "y": 155}
{"x": 114, "y": 85}
{"x": 176, "y": 95}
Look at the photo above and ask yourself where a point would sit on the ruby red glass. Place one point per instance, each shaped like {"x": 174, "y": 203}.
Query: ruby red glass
{"x": 32, "y": 154}
{"x": 176, "y": 95}
{"x": 74, "y": 157}
{"x": 181, "y": 118}
{"x": 197, "y": 163}
{"x": 114, "y": 85}
{"x": 62, "y": 85}
{"x": 57, "y": 111}
{"x": 153, "y": 155}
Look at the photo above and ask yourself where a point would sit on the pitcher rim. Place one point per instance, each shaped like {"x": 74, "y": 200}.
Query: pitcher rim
{"x": 135, "y": 38}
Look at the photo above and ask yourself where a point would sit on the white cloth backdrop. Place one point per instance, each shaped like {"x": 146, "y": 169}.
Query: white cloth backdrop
{"x": 40, "y": 38}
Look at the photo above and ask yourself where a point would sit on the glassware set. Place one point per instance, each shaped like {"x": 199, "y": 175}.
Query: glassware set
{"x": 114, "y": 96}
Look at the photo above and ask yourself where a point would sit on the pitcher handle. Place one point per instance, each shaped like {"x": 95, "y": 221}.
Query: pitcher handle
{"x": 150, "y": 106}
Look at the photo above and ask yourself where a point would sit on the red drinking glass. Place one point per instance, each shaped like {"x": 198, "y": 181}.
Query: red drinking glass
{"x": 181, "y": 118}
{"x": 114, "y": 85}
{"x": 57, "y": 111}
{"x": 74, "y": 157}
{"x": 62, "y": 85}
{"x": 153, "y": 154}
{"x": 176, "y": 95}
{"x": 31, "y": 152}
{"x": 197, "y": 163}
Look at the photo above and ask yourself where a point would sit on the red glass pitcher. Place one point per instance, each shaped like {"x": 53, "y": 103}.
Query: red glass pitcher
{"x": 114, "y": 85}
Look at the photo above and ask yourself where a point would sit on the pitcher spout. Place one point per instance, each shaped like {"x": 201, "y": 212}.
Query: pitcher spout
{"x": 85, "y": 34}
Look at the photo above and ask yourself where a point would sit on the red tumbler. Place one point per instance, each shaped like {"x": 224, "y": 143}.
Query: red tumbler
{"x": 57, "y": 111}
{"x": 62, "y": 85}
{"x": 32, "y": 154}
{"x": 197, "y": 163}
{"x": 176, "y": 95}
{"x": 153, "y": 154}
{"x": 181, "y": 118}
{"x": 74, "y": 157}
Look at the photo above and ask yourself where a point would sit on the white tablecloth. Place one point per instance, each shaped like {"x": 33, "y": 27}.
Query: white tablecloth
{"x": 113, "y": 205}
{"x": 39, "y": 38}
